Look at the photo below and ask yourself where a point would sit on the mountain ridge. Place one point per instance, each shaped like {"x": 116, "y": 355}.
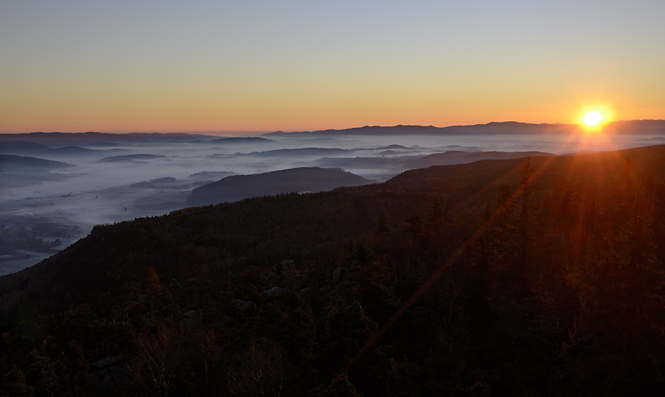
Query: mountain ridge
{"x": 505, "y": 127}
{"x": 30, "y": 162}
{"x": 304, "y": 179}
{"x": 499, "y": 128}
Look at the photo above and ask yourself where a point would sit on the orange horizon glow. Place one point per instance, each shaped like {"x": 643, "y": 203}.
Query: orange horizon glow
{"x": 214, "y": 115}
{"x": 172, "y": 122}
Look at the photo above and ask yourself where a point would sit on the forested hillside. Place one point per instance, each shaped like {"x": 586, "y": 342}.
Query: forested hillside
{"x": 538, "y": 277}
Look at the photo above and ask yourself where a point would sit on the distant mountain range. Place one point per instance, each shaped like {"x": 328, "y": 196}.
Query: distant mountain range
{"x": 84, "y": 137}
{"x": 508, "y": 127}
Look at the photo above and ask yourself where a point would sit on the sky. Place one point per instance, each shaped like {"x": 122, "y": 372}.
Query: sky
{"x": 236, "y": 67}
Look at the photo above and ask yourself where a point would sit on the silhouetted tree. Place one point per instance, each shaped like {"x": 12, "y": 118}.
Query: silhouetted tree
{"x": 261, "y": 370}
{"x": 340, "y": 386}
{"x": 381, "y": 228}
{"x": 14, "y": 383}
{"x": 436, "y": 217}
{"x": 159, "y": 360}
{"x": 414, "y": 226}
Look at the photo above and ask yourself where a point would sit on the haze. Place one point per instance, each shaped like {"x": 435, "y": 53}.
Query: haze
{"x": 119, "y": 178}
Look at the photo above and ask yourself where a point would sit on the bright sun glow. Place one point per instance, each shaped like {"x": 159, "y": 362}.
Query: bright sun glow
{"x": 593, "y": 118}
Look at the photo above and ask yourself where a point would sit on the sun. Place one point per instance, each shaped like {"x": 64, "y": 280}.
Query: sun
{"x": 592, "y": 118}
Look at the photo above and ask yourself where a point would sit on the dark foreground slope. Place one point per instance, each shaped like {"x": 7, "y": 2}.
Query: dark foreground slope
{"x": 308, "y": 179}
{"x": 513, "y": 277}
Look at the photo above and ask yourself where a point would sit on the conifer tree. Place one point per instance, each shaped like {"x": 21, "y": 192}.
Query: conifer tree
{"x": 414, "y": 225}
{"x": 447, "y": 216}
{"x": 382, "y": 228}
{"x": 436, "y": 216}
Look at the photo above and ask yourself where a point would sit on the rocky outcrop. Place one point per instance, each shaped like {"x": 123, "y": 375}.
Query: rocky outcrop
{"x": 283, "y": 267}
{"x": 111, "y": 369}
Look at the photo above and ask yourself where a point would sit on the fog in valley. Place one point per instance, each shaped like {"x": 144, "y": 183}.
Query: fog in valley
{"x": 47, "y": 205}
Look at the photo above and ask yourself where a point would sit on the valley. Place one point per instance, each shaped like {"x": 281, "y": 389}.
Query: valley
{"x": 82, "y": 180}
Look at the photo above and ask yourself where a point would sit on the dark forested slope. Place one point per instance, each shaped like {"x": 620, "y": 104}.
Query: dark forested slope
{"x": 542, "y": 276}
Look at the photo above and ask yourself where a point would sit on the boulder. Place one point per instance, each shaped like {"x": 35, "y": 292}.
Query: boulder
{"x": 338, "y": 275}
{"x": 108, "y": 362}
{"x": 111, "y": 370}
{"x": 274, "y": 291}
{"x": 243, "y": 306}
{"x": 283, "y": 266}
{"x": 193, "y": 317}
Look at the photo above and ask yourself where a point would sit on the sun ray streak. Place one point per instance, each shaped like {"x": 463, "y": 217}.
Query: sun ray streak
{"x": 456, "y": 255}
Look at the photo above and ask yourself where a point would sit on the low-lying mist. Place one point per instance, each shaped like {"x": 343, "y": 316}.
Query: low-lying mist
{"x": 44, "y": 208}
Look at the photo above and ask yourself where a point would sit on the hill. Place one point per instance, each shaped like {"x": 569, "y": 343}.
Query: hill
{"x": 22, "y": 147}
{"x": 505, "y": 277}
{"x": 242, "y": 139}
{"x": 8, "y": 161}
{"x": 23, "y": 171}
{"x": 410, "y": 161}
{"x": 32, "y": 148}
{"x": 459, "y": 157}
{"x": 301, "y": 152}
{"x": 130, "y": 158}
{"x": 299, "y": 180}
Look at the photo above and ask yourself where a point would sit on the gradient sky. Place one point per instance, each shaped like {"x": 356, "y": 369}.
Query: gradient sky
{"x": 249, "y": 66}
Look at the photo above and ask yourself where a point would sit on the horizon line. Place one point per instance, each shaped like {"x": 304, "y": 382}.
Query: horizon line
{"x": 240, "y": 133}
